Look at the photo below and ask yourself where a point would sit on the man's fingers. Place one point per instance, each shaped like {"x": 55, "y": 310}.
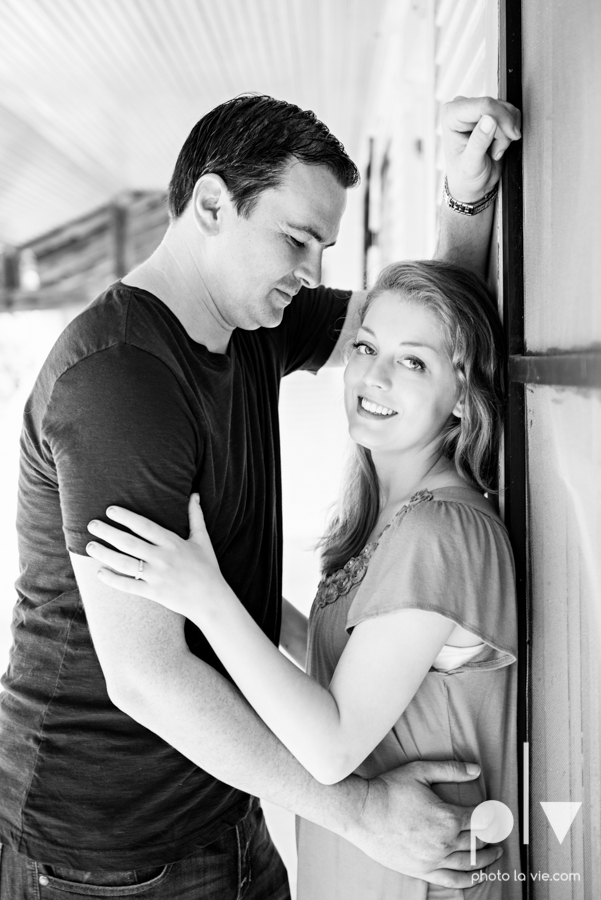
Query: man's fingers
{"x": 464, "y": 816}
{"x": 481, "y": 138}
{"x": 459, "y": 871}
{"x": 462, "y": 114}
{"x": 461, "y": 860}
{"x": 463, "y": 841}
{"x": 498, "y": 148}
{"x": 434, "y": 772}
{"x": 450, "y": 878}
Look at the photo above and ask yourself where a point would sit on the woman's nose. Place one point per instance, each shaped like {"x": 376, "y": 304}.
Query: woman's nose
{"x": 378, "y": 374}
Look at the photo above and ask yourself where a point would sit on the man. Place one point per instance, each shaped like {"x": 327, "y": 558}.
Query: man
{"x": 126, "y": 756}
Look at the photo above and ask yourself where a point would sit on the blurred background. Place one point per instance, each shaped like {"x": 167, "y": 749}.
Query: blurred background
{"x": 96, "y": 99}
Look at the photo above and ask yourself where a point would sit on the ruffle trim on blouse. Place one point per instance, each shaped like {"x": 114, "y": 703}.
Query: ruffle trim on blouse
{"x": 340, "y": 582}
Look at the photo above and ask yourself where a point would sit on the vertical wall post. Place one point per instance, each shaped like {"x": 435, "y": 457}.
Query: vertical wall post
{"x": 515, "y": 476}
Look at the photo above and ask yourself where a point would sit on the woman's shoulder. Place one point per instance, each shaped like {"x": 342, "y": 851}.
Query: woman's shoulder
{"x": 446, "y": 552}
{"x": 458, "y": 517}
{"x": 460, "y": 502}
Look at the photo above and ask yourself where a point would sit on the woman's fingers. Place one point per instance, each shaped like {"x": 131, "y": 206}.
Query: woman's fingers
{"x": 123, "y": 583}
{"x": 140, "y": 525}
{"x": 196, "y": 518}
{"x": 121, "y": 540}
{"x": 198, "y": 530}
{"x": 126, "y": 565}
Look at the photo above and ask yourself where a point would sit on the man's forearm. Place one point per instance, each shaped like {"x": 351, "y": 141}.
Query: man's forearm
{"x": 476, "y": 132}
{"x": 153, "y": 677}
{"x": 202, "y": 715}
{"x": 465, "y": 240}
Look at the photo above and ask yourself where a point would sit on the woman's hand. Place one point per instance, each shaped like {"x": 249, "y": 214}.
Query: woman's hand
{"x": 181, "y": 575}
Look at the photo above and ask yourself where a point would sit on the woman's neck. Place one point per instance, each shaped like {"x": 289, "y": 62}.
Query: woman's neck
{"x": 400, "y": 479}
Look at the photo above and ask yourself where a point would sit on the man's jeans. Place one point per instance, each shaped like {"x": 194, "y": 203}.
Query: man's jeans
{"x": 243, "y": 864}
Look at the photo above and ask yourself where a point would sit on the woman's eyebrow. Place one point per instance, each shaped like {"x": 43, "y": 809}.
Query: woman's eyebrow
{"x": 419, "y": 344}
{"x": 405, "y": 343}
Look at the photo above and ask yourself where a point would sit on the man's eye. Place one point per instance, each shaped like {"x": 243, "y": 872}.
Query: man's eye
{"x": 412, "y": 362}
{"x": 294, "y": 242}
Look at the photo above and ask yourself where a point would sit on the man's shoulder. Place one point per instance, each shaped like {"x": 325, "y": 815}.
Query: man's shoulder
{"x": 120, "y": 317}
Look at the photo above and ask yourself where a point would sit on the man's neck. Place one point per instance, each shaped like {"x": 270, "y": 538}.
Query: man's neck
{"x": 173, "y": 275}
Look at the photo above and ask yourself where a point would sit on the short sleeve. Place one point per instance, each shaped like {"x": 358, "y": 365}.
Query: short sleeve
{"x": 121, "y": 432}
{"x": 311, "y": 325}
{"x": 448, "y": 558}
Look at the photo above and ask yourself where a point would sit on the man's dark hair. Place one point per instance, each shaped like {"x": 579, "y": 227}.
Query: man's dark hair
{"x": 248, "y": 141}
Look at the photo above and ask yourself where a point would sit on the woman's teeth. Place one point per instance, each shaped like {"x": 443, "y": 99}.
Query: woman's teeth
{"x": 375, "y": 408}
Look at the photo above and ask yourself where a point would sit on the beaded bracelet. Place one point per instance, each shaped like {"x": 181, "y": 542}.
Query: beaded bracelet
{"x": 469, "y": 209}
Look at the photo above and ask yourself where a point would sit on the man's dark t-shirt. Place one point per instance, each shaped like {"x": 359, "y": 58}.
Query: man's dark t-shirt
{"x": 129, "y": 410}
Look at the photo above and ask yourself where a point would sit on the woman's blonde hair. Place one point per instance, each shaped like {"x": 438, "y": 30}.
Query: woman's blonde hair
{"x": 474, "y": 338}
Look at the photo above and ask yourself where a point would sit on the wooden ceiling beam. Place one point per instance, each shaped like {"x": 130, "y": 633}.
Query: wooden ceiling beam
{"x": 74, "y": 263}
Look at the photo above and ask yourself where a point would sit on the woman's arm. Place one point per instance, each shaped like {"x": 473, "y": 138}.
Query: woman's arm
{"x": 330, "y": 731}
{"x": 294, "y": 633}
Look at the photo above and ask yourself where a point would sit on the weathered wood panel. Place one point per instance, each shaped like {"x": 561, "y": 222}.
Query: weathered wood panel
{"x": 77, "y": 261}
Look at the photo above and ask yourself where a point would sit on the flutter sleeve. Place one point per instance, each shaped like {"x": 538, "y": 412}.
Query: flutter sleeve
{"x": 449, "y": 558}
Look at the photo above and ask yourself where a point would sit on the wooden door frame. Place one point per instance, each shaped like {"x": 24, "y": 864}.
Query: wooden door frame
{"x": 574, "y": 368}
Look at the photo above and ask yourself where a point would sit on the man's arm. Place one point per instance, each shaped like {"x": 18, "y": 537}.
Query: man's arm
{"x": 152, "y": 677}
{"x": 476, "y": 132}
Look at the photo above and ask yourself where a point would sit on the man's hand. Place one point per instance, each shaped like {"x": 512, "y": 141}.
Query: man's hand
{"x": 476, "y": 132}
{"x": 405, "y": 826}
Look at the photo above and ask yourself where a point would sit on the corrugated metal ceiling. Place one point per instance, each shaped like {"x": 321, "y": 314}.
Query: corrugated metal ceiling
{"x": 97, "y": 96}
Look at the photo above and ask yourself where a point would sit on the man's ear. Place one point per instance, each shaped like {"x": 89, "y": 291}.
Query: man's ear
{"x": 210, "y": 199}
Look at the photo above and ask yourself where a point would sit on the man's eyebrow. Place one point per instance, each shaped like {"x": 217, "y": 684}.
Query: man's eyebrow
{"x": 313, "y": 232}
{"x": 405, "y": 343}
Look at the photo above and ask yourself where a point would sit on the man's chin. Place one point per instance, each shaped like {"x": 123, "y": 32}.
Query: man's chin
{"x": 273, "y": 317}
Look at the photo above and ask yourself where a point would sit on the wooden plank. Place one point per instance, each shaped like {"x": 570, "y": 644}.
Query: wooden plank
{"x": 46, "y": 298}
{"x": 581, "y": 369}
{"x": 78, "y": 260}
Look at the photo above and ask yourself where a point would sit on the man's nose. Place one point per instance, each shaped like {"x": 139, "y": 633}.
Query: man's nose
{"x": 308, "y": 271}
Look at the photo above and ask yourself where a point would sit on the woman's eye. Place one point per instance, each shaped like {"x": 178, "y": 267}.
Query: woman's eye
{"x": 412, "y": 362}
{"x": 363, "y": 348}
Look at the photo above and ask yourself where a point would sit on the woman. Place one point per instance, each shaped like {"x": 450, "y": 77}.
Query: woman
{"x": 412, "y": 636}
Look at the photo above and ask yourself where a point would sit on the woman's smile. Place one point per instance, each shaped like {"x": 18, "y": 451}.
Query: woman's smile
{"x": 376, "y": 410}
{"x": 400, "y": 373}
